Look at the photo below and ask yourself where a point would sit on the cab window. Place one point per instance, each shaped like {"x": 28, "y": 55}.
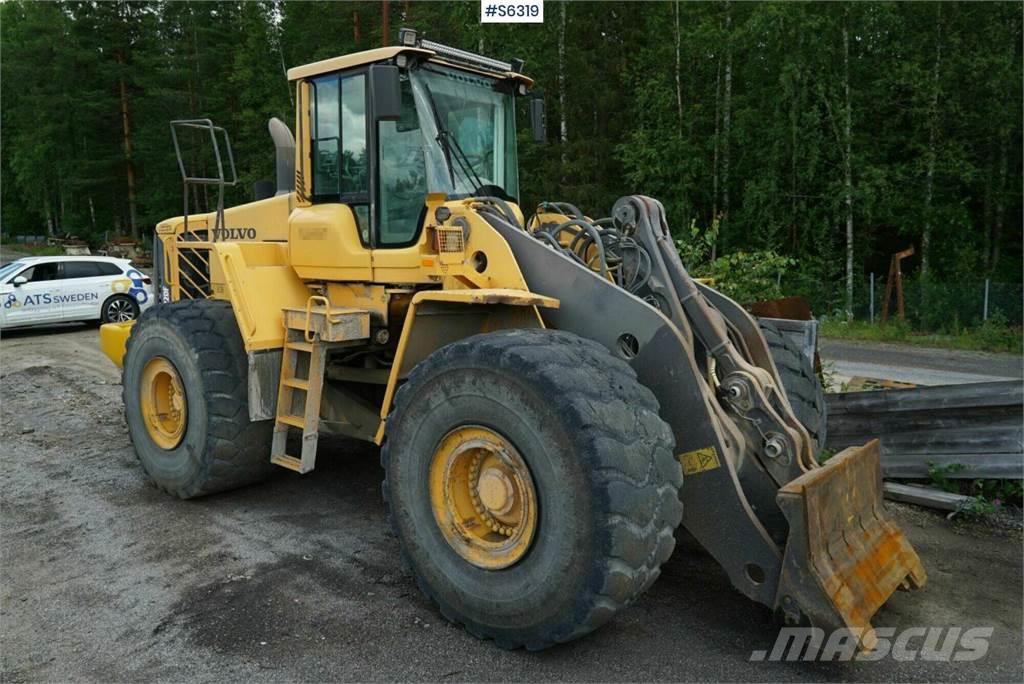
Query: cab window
{"x": 80, "y": 269}
{"x": 107, "y": 268}
{"x": 40, "y": 272}
{"x": 403, "y": 175}
{"x": 340, "y": 162}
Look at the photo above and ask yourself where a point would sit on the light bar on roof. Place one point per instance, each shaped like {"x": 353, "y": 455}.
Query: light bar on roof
{"x": 467, "y": 58}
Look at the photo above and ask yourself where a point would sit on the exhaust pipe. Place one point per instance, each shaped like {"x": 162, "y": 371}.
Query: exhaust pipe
{"x": 284, "y": 146}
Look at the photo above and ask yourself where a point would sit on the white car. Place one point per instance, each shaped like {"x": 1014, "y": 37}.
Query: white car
{"x": 36, "y": 290}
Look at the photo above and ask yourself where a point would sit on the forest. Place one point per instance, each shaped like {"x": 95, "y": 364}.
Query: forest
{"x": 797, "y": 144}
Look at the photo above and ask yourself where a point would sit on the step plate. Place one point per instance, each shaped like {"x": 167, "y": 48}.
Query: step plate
{"x": 331, "y": 325}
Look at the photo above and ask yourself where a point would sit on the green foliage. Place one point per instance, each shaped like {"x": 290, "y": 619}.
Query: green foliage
{"x": 35, "y": 250}
{"x": 696, "y": 248}
{"x": 992, "y": 336}
{"x": 745, "y": 136}
{"x": 979, "y": 508}
{"x": 745, "y": 276}
{"x": 748, "y": 277}
{"x": 939, "y": 476}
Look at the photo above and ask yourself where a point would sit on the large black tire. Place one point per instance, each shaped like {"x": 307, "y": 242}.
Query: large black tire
{"x": 602, "y": 464}
{"x": 803, "y": 386}
{"x": 221, "y": 449}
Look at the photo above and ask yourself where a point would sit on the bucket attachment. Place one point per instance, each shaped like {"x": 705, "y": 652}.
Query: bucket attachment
{"x": 843, "y": 557}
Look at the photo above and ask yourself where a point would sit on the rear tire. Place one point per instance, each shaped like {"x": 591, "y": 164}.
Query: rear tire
{"x": 119, "y": 309}
{"x": 601, "y": 464}
{"x": 219, "y": 447}
{"x": 803, "y": 386}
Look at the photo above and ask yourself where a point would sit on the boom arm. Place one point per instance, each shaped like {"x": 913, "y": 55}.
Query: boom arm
{"x": 808, "y": 541}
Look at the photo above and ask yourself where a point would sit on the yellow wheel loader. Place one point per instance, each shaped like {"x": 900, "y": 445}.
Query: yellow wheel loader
{"x": 553, "y": 394}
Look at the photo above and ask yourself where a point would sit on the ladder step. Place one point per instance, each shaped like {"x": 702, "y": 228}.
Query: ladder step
{"x": 297, "y": 383}
{"x": 299, "y": 346}
{"x": 289, "y": 462}
{"x": 294, "y": 421}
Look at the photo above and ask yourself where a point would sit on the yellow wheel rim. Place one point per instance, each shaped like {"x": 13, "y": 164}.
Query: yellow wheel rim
{"x": 483, "y": 498}
{"x": 163, "y": 403}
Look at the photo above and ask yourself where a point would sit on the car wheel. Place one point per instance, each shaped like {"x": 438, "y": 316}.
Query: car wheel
{"x": 119, "y": 309}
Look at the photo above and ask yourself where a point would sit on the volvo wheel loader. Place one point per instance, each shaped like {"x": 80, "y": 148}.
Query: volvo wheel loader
{"x": 553, "y": 394}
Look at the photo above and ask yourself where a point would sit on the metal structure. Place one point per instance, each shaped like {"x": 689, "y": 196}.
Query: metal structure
{"x": 894, "y": 283}
{"x": 976, "y": 428}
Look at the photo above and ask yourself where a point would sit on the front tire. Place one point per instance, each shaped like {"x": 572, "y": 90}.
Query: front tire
{"x": 185, "y": 394}
{"x": 591, "y": 482}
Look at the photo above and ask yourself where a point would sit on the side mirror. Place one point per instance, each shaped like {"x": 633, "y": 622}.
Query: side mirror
{"x": 538, "y": 120}
{"x": 385, "y": 92}
{"x": 19, "y": 281}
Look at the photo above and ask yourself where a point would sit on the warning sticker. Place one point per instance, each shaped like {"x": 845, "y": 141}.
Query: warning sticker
{"x": 699, "y": 461}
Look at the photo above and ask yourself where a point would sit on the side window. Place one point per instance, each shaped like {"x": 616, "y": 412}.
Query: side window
{"x": 106, "y": 268}
{"x": 403, "y": 174}
{"x": 41, "y": 272}
{"x": 326, "y": 136}
{"x": 80, "y": 269}
{"x": 340, "y": 164}
{"x": 355, "y": 166}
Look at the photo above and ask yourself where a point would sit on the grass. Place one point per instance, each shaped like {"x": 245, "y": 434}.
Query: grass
{"x": 31, "y": 250}
{"x": 992, "y": 336}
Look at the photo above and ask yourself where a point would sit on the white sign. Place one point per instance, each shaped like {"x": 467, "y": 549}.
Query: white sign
{"x": 512, "y": 11}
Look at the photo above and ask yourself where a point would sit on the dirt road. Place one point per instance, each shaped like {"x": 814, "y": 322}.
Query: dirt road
{"x": 918, "y": 365}
{"x": 104, "y": 578}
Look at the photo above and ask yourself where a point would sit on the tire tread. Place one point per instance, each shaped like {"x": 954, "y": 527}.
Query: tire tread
{"x": 629, "y": 449}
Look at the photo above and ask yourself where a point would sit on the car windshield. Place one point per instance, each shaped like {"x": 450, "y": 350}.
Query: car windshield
{"x": 469, "y": 131}
{"x": 6, "y": 271}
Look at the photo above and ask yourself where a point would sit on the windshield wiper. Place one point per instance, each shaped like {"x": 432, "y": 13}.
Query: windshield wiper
{"x": 450, "y": 146}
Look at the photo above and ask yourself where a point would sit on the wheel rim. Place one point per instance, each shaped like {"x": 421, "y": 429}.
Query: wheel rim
{"x": 163, "y": 402}
{"x": 120, "y": 310}
{"x": 483, "y": 498}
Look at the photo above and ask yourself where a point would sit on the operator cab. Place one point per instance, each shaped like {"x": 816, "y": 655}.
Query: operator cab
{"x": 380, "y": 130}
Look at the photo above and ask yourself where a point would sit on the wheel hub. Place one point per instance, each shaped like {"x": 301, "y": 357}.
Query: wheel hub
{"x": 483, "y": 498}
{"x": 496, "y": 491}
{"x": 163, "y": 403}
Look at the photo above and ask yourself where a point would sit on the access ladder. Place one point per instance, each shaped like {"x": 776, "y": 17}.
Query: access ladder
{"x": 309, "y": 334}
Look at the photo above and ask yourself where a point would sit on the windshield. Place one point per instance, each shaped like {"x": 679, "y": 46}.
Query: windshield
{"x": 6, "y": 271}
{"x": 470, "y": 132}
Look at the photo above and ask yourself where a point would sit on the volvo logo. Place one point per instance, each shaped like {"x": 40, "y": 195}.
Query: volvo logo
{"x": 234, "y": 234}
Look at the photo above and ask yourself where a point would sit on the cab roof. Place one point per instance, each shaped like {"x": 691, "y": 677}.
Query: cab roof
{"x": 386, "y": 53}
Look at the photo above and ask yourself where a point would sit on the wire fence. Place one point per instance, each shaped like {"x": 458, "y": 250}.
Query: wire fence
{"x": 941, "y": 306}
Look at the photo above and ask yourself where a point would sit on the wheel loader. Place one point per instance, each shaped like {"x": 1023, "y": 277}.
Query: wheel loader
{"x": 553, "y": 394}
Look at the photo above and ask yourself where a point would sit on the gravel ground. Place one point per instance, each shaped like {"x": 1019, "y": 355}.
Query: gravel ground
{"x": 104, "y": 578}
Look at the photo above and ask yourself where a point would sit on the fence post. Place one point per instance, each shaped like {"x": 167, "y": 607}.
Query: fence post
{"x": 984, "y": 311}
{"x": 872, "y": 307}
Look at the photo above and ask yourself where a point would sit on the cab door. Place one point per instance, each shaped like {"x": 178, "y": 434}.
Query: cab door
{"x": 401, "y": 193}
{"x": 34, "y": 301}
{"x": 329, "y": 232}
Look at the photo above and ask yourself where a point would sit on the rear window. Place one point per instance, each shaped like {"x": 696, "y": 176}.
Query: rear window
{"x": 81, "y": 269}
{"x": 108, "y": 268}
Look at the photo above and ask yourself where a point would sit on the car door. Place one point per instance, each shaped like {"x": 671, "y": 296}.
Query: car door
{"x": 83, "y": 289}
{"x": 35, "y": 301}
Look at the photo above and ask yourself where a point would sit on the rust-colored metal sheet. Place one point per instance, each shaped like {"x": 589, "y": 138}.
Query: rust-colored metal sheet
{"x": 794, "y": 308}
{"x": 844, "y": 558}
